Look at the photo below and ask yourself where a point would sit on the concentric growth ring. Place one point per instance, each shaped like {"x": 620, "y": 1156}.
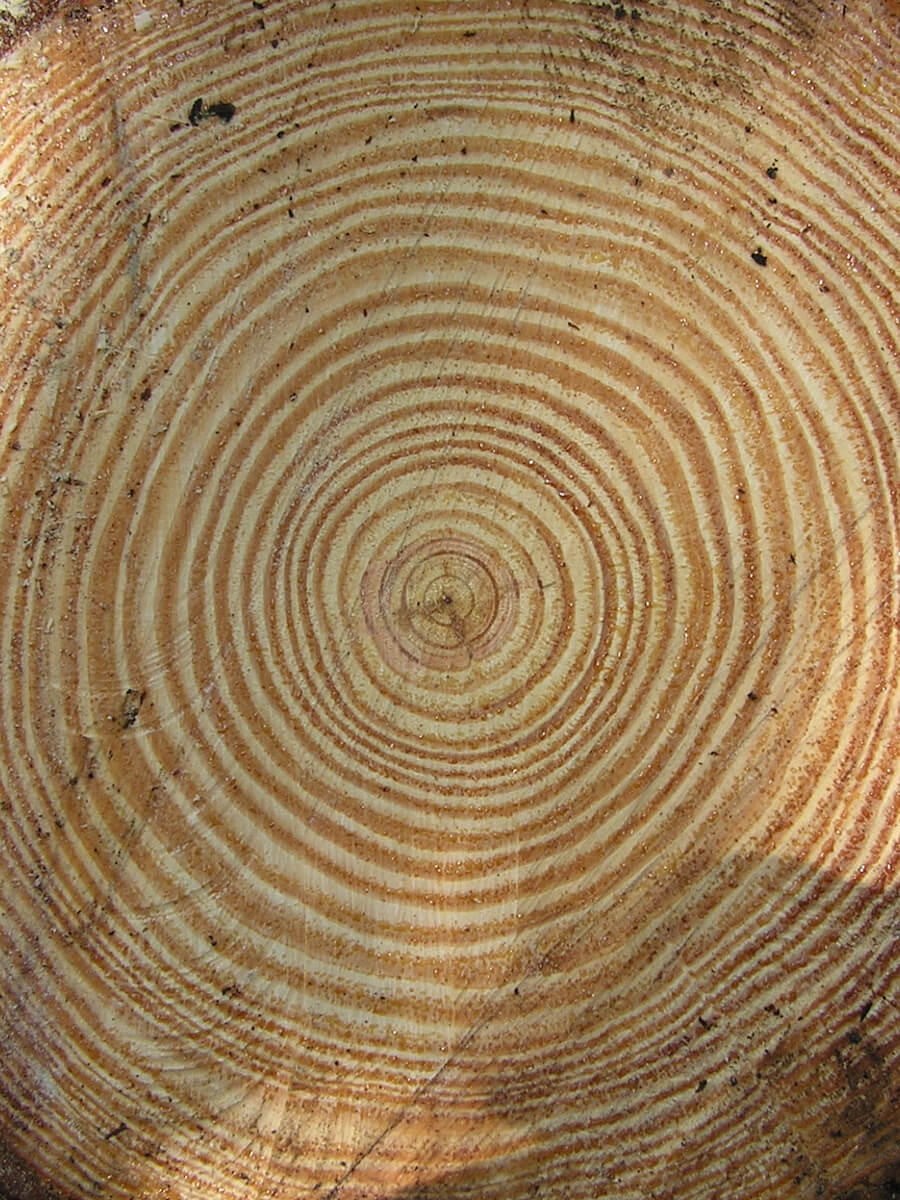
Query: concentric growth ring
{"x": 442, "y": 603}
{"x": 450, "y": 721}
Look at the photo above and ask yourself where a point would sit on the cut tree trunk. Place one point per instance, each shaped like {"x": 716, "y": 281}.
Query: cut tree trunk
{"x": 450, "y": 696}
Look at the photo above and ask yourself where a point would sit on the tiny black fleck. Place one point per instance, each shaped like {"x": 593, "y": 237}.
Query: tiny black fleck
{"x": 131, "y": 706}
{"x": 759, "y": 257}
{"x": 772, "y": 171}
{"x": 222, "y": 109}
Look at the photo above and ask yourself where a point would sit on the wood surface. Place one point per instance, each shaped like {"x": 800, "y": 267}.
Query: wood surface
{"x": 449, "y": 608}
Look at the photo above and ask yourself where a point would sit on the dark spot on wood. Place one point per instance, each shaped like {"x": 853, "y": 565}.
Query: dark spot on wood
{"x": 223, "y": 109}
{"x": 131, "y": 707}
{"x": 752, "y": 696}
{"x": 114, "y": 1133}
{"x": 772, "y": 171}
{"x": 759, "y": 257}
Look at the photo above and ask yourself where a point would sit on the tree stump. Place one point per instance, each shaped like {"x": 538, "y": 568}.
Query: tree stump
{"x": 450, "y": 484}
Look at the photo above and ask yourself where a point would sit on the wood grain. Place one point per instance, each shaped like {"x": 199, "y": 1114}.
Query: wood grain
{"x": 450, "y": 469}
